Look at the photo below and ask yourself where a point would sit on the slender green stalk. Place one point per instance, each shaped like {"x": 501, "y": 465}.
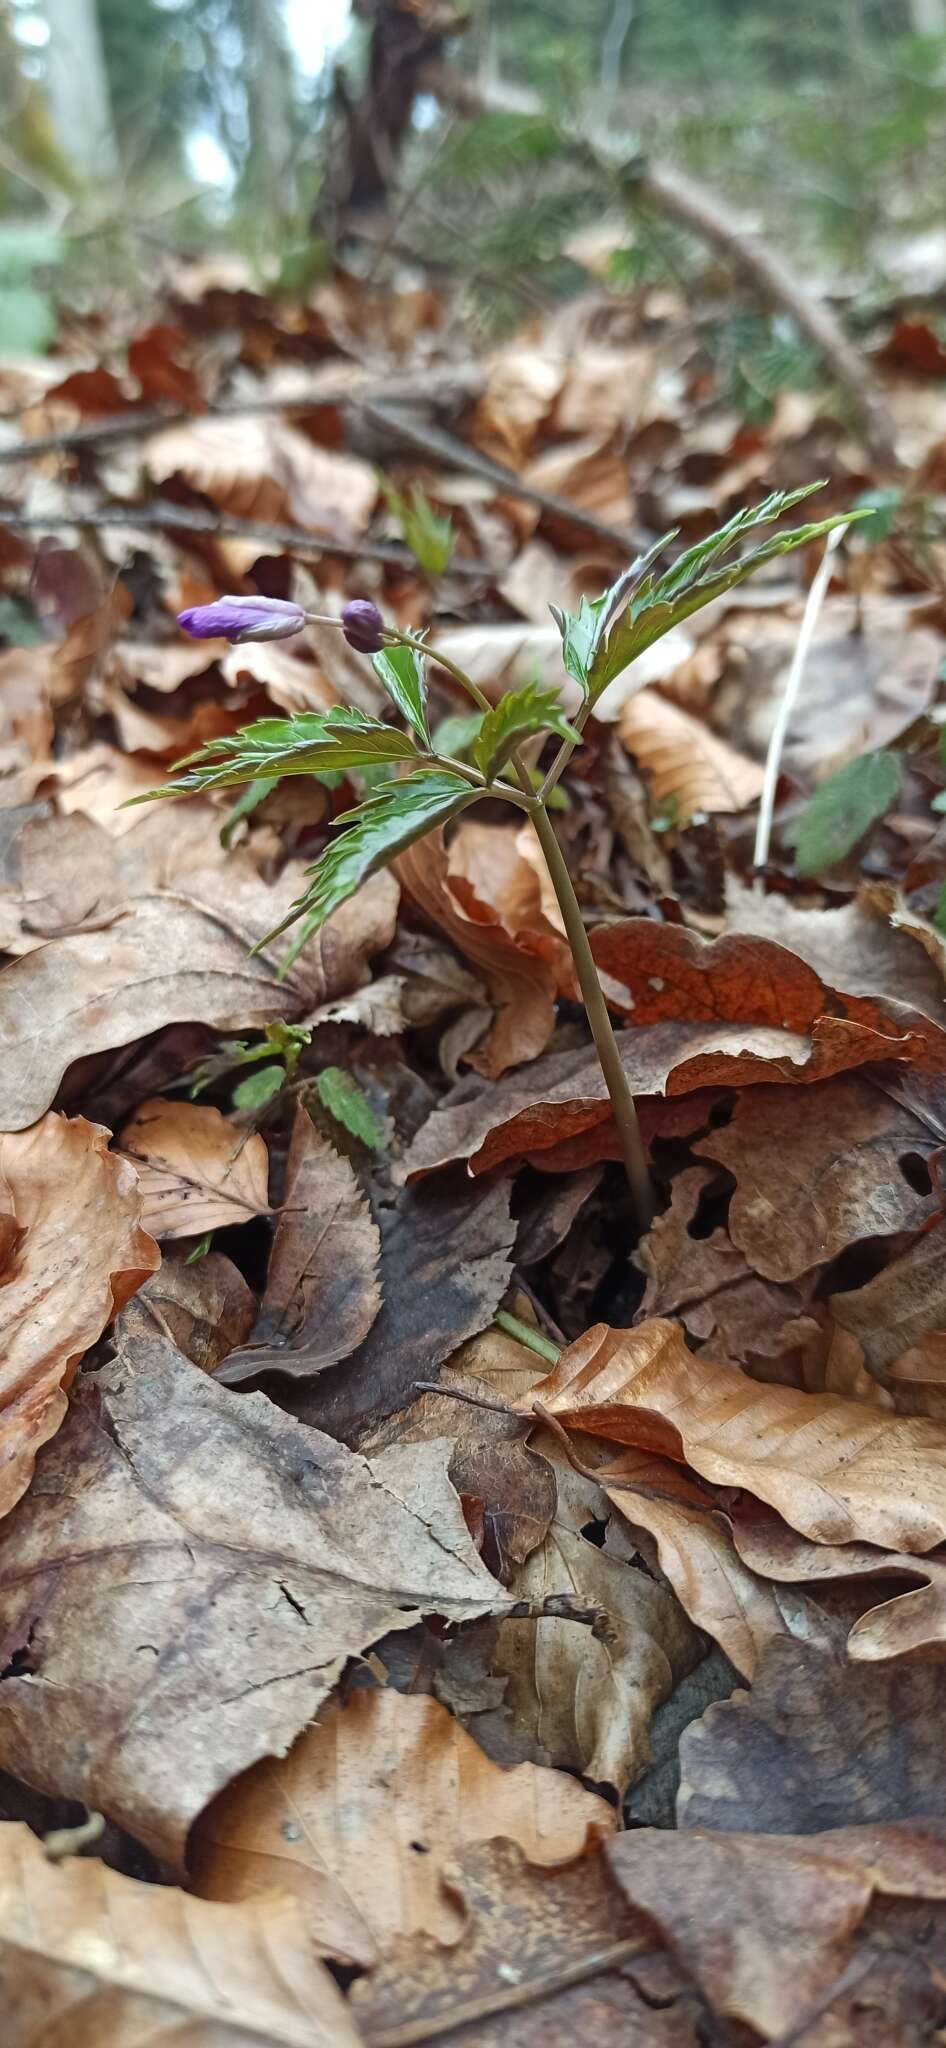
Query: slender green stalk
{"x": 525, "y": 1333}
{"x": 622, "y": 1101}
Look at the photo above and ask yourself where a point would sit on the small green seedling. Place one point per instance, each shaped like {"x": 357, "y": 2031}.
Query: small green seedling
{"x": 431, "y": 786}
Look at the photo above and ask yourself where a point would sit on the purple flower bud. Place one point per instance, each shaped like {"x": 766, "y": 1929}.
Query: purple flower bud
{"x": 243, "y": 618}
{"x": 363, "y": 625}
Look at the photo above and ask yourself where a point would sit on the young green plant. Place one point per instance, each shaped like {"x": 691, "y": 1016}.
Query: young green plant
{"x": 428, "y": 789}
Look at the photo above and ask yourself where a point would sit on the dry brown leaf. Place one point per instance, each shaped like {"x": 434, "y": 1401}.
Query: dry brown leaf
{"x": 683, "y": 760}
{"x": 261, "y": 468}
{"x": 76, "y": 1252}
{"x": 858, "y": 947}
{"x": 807, "y": 1187}
{"x": 184, "y": 1582}
{"x": 205, "y": 1307}
{"x": 900, "y": 1307}
{"x": 905, "y": 1625}
{"x": 446, "y": 1258}
{"x": 585, "y": 1967}
{"x": 382, "y": 1793}
{"x": 197, "y": 1172}
{"x": 587, "y": 1705}
{"x": 695, "y": 1549}
{"x": 833, "y": 1469}
{"x": 25, "y": 710}
{"x": 743, "y": 978}
{"x": 176, "y": 957}
{"x": 99, "y": 780}
{"x": 294, "y": 685}
{"x": 96, "y": 1956}
{"x": 162, "y": 664}
{"x": 521, "y": 986}
{"x": 322, "y": 1289}
{"x": 818, "y": 1743}
{"x": 766, "y": 1923}
{"x": 64, "y": 874}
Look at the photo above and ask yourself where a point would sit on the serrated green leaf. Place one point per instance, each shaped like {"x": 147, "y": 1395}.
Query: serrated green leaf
{"x": 401, "y": 671}
{"x": 389, "y": 820}
{"x": 345, "y": 1101}
{"x": 656, "y": 604}
{"x": 258, "y": 1087}
{"x": 312, "y": 742}
{"x": 517, "y": 715}
{"x": 579, "y": 631}
{"x": 247, "y": 802}
{"x": 843, "y": 809}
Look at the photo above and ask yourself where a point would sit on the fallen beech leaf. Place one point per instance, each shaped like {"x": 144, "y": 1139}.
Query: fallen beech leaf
{"x": 490, "y": 1461}
{"x": 292, "y": 684}
{"x": 205, "y": 1307}
{"x": 197, "y": 1172}
{"x": 903, "y": 1625}
{"x": 834, "y": 1469}
{"x": 76, "y": 1253}
{"x": 98, "y": 1956}
{"x": 521, "y": 986}
{"x": 741, "y": 978}
{"x": 557, "y": 1113}
{"x": 63, "y": 874}
{"x": 695, "y": 1549}
{"x": 862, "y": 947}
{"x": 382, "y": 1793}
{"x": 185, "y": 1580}
{"x": 160, "y": 665}
{"x": 807, "y": 1187}
{"x": 322, "y": 1290}
{"x": 446, "y": 1258}
{"x": 682, "y": 759}
{"x": 497, "y": 874}
{"x": 261, "y": 468}
{"x": 25, "y": 710}
{"x": 765, "y": 1923}
{"x": 818, "y": 1743}
{"x": 586, "y": 1704}
{"x": 175, "y": 957}
{"x": 585, "y": 1966}
{"x": 899, "y": 1306}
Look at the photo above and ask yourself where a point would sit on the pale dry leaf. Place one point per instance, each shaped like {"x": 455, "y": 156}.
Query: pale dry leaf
{"x": 834, "y": 1469}
{"x": 379, "y": 1796}
{"x": 66, "y": 873}
{"x": 293, "y": 685}
{"x": 906, "y": 1624}
{"x": 187, "y": 1578}
{"x": 90, "y": 1955}
{"x": 261, "y": 468}
{"x": 322, "y": 1289}
{"x": 79, "y": 1251}
{"x": 683, "y": 761}
{"x": 197, "y": 1172}
{"x": 521, "y": 986}
{"x": 900, "y": 1306}
{"x": 176, "y": 956}
{"x": 695, "y": 1550}
{"x": 587, "y": 1705}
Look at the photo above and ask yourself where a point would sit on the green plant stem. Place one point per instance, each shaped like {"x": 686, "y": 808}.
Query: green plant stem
{"x": 524, "y": 1333}
{"x": 622, "y": 1101}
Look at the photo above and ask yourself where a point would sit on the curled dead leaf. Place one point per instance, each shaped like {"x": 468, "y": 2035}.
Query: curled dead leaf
{"x": 197, "y": 1172}
{"x": 364, "y": 1817}
{"x": 114, "y": 1959}
{"x": 75, "y": 1250}
{"x": 683, "y": 760}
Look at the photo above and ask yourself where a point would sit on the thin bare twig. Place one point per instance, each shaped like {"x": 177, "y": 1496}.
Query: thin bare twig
{"x": 184, "y": 519}
{"x": 773, "y": 758}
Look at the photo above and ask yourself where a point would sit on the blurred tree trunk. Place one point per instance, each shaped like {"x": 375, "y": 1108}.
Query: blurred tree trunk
{"x": 269, "y": 180}
{"x": 928, "y": 17}
{"x": 77, "y": 89}
{"x": 406, "y": 36}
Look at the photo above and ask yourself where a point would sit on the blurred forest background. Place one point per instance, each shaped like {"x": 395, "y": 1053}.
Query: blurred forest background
{"x": 288, "y": 131}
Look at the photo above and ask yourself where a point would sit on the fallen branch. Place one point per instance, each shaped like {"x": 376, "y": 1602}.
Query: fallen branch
{"x": 185, "y": 519}
{"x": 704, "y": 214}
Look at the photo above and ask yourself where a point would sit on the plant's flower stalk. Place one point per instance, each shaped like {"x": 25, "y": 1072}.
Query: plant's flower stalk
{"x": 243, "y": 618}
{"x": 362, "y": 625}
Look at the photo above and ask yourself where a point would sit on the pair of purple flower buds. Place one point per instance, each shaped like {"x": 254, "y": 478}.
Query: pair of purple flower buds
{"x": 277, "y": 618}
